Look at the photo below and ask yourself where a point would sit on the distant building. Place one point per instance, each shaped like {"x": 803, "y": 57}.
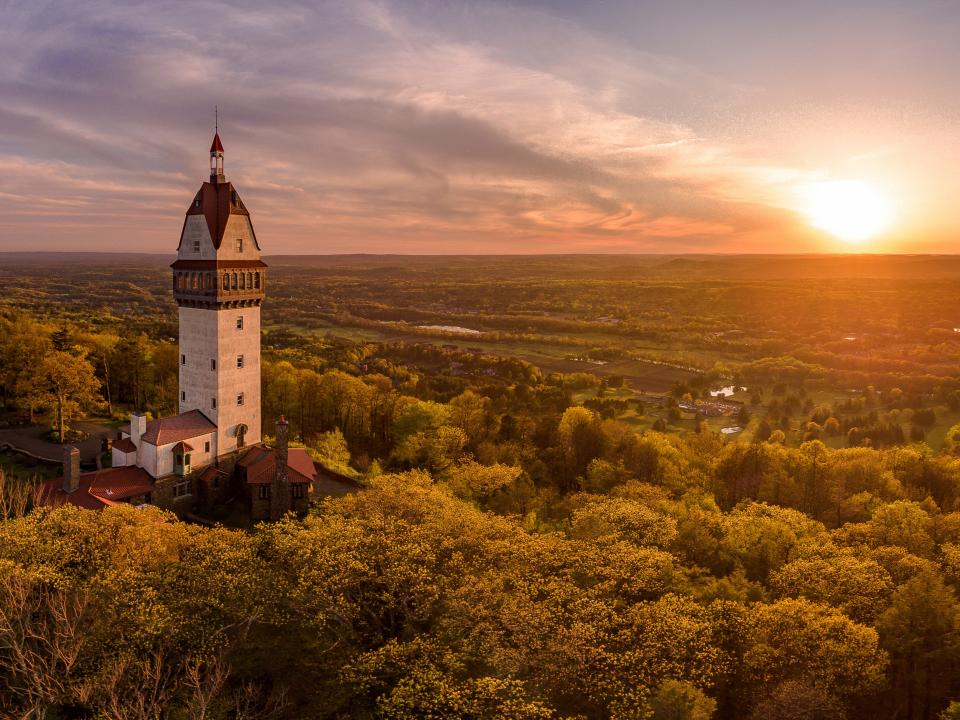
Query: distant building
{"x": 211, "y": 451}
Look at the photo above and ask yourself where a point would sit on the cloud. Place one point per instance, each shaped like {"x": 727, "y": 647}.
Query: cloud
{"x": 362, "y": 127}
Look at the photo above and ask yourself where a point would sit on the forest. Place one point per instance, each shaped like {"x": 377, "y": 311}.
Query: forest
{"x": 675, "y": 488}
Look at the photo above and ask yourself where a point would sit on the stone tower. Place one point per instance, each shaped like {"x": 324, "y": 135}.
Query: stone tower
{"x": 218, "y": 283}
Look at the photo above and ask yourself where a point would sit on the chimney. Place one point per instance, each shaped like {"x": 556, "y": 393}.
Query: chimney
{"x": 71, "y": 468}
{"x": 138, "y": 426}
{"x": 281, "y": 451}
{"x": 280, "y": 488}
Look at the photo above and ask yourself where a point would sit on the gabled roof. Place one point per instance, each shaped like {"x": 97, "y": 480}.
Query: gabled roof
{"x": 211, "y": 472}
{"x": 184, "y": 426}
{"x": 98, "y": 489}
{"x": 261, "y": 466}
{"x": 216, "y": 146}
{"x": 125, "y": 445}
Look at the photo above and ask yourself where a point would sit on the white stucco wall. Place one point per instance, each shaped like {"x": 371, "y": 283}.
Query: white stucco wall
{"x": 121, "y": 459}
{"x": 147, "y": 458}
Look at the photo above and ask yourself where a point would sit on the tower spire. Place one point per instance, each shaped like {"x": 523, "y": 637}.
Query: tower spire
{"x": 216, "y": 150}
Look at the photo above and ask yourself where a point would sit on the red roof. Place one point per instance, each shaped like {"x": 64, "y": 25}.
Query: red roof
{"x": 211, "y": 472}
{"x": 98, "y": 489}
{"x": 300, "y": 467}
{"x": 216, "y": 146}
{"x": 124, "y": 445}
{"x": 184, "y": 426}
{"x": 217, "y": 202}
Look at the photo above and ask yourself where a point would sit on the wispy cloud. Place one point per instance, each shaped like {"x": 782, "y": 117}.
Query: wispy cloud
{"x": 366, "y": 126}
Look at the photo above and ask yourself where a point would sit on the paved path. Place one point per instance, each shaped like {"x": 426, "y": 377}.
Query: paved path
{"x": 31, "y": 441}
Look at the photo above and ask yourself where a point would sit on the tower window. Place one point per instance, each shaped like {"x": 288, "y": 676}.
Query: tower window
{"x": 263, "y": 492}
{"x": 183, "y": 359}
{"x": 240, "y": 399}
{"x": 213, "y": 403}
{"x": 239, "y": 245}
{"x": 233, "y": 284}
{"x": 249, "y": 279}
{"x": 240, "y": 322}
{"x": 243, "y": 281}
{"x": 206, "y": 446}
{"x": 183, "y": 396}
{"x": 298, "y": 491}
{"x": 256, "y": 281}
{"x": 213, "y": 364}
{"x": 239, "y": 361}
{"x": 226, "y": 281}
{"x": 196, "y": 246}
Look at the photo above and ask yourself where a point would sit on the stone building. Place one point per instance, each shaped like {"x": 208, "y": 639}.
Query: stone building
{"x": 211, "y": 451}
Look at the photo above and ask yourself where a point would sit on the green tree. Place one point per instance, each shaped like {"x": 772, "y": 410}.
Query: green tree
{"x": 65, "y": 385}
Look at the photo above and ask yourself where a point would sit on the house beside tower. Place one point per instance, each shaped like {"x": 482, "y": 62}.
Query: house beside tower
{"x": 211, "y": 451}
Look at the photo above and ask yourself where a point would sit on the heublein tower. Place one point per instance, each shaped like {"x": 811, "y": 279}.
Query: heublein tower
{"x": 219, "y": 282}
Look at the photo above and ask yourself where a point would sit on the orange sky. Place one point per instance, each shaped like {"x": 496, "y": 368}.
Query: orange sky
{"x": 455, "y": 127}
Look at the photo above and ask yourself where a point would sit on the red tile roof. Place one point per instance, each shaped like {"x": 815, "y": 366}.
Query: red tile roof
{"x": 217, "y": 202}
{"x": 216, "y": 145}
{"x": 98, "y": 489}
{"x": 211, "y": 472}
{"x": 125, "y": 445}
{"x": 300, "y": 467}
{"x": 184, "y": 426}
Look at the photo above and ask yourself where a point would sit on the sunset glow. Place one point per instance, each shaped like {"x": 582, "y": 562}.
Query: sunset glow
{"x": 494, "y": 127}
{"x": 851, "y": 210}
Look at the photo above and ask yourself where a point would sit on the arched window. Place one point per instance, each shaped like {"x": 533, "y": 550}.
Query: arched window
{"x": 241, "y": 434}
{"x": 243, "y": 281}
{"x": 226, "y": 281}
{"x": 256, "y": 281}
{"x": 180, "y": 281}
{"x": 193, "y": 281}
{"x": 234, "y": 283}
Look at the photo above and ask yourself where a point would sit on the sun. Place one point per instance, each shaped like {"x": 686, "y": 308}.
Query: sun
{"x": 851, "y": 210}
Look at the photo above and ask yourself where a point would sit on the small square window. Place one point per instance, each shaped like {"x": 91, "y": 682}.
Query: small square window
{"x": 239, "y": 361}
{"x": 213, "y": 403}
{"x": 213, "y": 364}
{"x": 240, "y": 399}
{"x": 183, "y": 359}
{"x": 196, "y": 246}
{"x": 206, "y": 446}
{"x": 239, "y": 245}
{"x": 240, "y": 322}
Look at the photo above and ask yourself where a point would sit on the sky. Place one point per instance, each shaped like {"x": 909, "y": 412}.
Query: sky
{"x": 483, "y": 127}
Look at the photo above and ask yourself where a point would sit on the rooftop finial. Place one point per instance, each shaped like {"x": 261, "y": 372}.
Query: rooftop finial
{"x": 216, "y": 119}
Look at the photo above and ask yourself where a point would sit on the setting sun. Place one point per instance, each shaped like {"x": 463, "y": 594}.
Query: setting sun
{"x": 851, "y": 210}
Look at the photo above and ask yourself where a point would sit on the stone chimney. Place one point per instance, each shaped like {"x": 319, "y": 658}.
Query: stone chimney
{"x": 138, "y": 426}
{"x": 71, "y": 468}
{"x": 280, "y": 490}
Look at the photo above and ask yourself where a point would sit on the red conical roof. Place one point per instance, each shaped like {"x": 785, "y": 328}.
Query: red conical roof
{"x": 217, "y": 146}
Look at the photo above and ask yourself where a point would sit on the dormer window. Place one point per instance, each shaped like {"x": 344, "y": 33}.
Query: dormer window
{"x": 239, "y": 245}
{"x": 196, "y": 246}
